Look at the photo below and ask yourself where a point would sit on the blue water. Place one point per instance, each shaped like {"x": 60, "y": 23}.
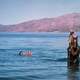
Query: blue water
{"x": 48, "y": 60}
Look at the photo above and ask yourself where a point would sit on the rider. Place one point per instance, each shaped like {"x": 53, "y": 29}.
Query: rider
{"x": 71, "y": 39}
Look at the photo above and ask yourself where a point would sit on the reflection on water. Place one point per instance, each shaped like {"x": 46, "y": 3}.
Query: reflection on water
{"x": 73, "y": 73}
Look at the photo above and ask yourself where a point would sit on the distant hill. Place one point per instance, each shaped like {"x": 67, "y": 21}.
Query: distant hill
{"x": 61, "y": 23}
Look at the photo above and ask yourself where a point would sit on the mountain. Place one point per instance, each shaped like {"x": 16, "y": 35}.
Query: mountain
{"x": 62, "y": 23}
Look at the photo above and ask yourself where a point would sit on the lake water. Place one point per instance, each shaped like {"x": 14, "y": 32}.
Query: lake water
{"x": 48, "y": 60}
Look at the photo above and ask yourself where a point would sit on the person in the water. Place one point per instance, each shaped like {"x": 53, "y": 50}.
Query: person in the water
{"x": 25, "y": 53}
{"x": 71, "y": 39}
{"x": 73, "y": 50}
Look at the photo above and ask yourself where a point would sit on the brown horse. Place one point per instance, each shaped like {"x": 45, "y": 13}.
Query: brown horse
{"x": 73, "y": 52}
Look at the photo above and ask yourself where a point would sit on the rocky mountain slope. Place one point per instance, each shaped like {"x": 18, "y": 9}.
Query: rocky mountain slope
{"x": 61, "y": 23}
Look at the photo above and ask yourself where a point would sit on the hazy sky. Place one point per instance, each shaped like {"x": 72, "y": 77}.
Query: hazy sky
{"x": 16, "y": 11}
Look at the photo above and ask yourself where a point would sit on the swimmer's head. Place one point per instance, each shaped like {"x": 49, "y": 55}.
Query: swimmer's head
{"x": 71, "y": 33}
